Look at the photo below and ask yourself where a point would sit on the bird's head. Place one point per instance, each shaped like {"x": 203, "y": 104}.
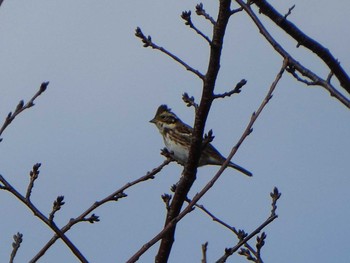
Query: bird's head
{"x": 164, "y": 118}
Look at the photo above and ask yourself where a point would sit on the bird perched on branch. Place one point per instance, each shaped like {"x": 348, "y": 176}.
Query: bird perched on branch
{"x": 177, "y": 139}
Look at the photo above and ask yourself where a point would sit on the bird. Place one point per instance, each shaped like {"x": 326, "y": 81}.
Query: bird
{"x": 177, "y": 139}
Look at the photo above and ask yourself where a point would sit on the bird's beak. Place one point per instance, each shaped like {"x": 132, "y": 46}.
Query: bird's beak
{"x": 153, "y": 120}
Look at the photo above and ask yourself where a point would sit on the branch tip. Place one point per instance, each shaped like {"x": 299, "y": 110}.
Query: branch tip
{"x": 18, "y": 238}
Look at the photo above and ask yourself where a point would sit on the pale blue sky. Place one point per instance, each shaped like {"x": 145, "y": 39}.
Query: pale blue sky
{"x": 91, "y": 133}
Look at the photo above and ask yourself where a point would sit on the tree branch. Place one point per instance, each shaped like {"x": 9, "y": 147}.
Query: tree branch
{"x": 224, "y": 224}
{"x": 204, "y": 252}
{"x": 236, "y": 90}
{"x": 8, "y": 187}
{"x": 21, "y": 107}
{"x": 293, "y": 64}
{"x": 304, "y": 40}
{"x": 201, "y": 12}
{"x": 190, "y": 169}
{"x": 186, "y": 15}
{"x": 93, "y": 218}
{"x": 147, "y": 41}
{"x": 34, "y": 173}
{"x": 275, "y": 195}
{"x": 17, "y": 240}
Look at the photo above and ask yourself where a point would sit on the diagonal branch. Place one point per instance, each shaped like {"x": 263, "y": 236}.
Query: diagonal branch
{"x": 21, "y": 107}
{"x": 201, "y": 12}
{"x": 306, "y": 41}
{"x": 147, "y": 42}
{"x": 293, "y": 64}
{"x": 93, "y": 218}
{"x": 224, "y": 224}
{"x": 8, "y": 187}
{"x": 186, "y": 15}
{"x": 275, "y": 195}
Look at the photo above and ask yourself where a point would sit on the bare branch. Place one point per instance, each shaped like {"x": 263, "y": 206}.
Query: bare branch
{"x": 275, "y": 195}
{"x": 93, "y": 218}
{"x": 329, "y": 77}
{"x": 147, "y": 42}
{"x": 224, "y": 224}
{"x": 8, "y": 187}
{"x": 21, "y": 107}
{"x": 201, "y": 12}
{"x": 34, "y": 173}
{"x": 166, "y": 199}
{"x": 236, "y": 90}
{"x": 234, "y": 11}
{"x": 292, "y": 62}
{"x": 18, "y": 238}
{"x": 189, "y": 101}
{"x": 186, "y": 15}
{"x": 57, "y": 204}
{"x": 306, "y": 41}
{"x": 190, "y": 170}
{"x": 204, "y": 252}
{"x": 260, "y": 242}
{"x": 289, "y": 12}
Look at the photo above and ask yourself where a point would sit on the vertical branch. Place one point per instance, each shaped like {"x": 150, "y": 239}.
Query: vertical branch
{"x": 17, "y": 240}
{"x": 190, "y": 170}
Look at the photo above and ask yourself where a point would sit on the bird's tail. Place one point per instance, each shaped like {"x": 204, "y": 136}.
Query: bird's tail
{"x": 240, "y": 168}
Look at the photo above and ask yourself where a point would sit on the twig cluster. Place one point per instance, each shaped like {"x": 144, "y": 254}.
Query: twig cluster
{"x": 249, "y": 252}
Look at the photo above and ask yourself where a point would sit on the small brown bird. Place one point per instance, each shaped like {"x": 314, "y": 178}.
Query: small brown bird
{"x": 177, "y": 139}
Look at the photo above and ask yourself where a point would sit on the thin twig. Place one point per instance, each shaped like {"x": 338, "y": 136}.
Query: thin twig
{"x": 34, "y": 173}
{"x": 289, "y": 12}
{"x": 93, "y": 218}
{"x": 201, "y": 12}
{"x": 57, "y": 204}
{"x": 186, "y": 15}
{"x": 21, "y": 107}
{"x": 189, "y": 101}
{"x": 234, "y": 11}
{"x": 147, "y": 42}
{"x": 17, "y": 240}
{"x": 236, "y": 90}
{"x": 204, "y": 252}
